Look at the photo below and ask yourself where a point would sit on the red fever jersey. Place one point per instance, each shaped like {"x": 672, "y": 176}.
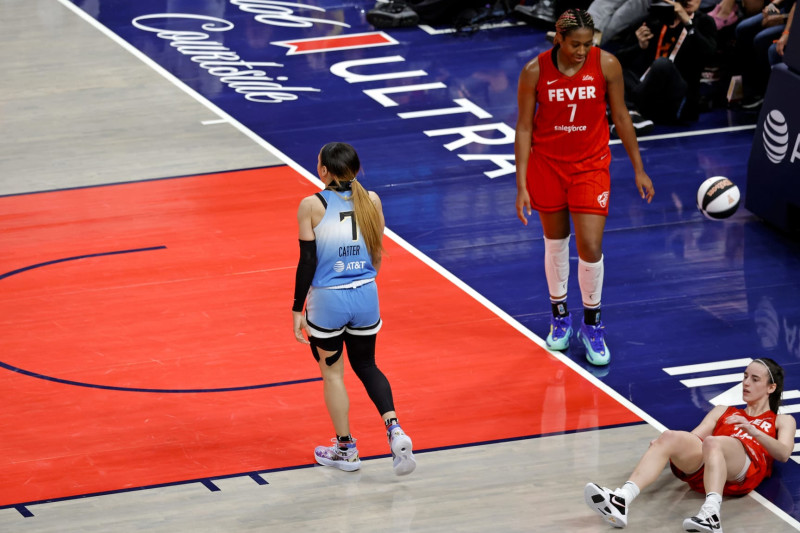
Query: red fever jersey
{"x": 760, "y": 460}
{"x": 765, "y": 422}
{"x": 570, "y": 121}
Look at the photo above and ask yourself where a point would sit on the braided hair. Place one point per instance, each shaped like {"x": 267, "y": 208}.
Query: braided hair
{"x": 573, "y": 19}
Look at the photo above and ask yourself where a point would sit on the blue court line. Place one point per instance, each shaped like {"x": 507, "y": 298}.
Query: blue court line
{"x": 689, "y": 133}
{"x": 36, "y": 375}
{"x": 208, "y": 482}
{"x": 76, "y": 258}
{"x": 147, "y": 180}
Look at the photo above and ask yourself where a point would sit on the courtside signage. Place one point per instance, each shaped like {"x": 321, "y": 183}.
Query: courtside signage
{"x": 261, "y": 51}
{"x": 773, "y": 187}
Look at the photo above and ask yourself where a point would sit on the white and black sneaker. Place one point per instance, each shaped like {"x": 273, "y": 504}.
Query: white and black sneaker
{"x": 608, "y": 504}
{"x": 641, "y": 125}
{"x": 706, "y": 521}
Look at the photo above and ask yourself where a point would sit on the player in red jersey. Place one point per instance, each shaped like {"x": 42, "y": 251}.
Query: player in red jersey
{"x": 562, "y": 159}
{"x": 729, "y": 453}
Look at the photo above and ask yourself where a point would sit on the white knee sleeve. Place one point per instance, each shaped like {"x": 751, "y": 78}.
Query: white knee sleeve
{"x": 556, "y": 266}
{"x": 590, "y": 279}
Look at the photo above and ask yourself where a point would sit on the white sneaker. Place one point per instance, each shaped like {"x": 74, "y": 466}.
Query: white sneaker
{"x": 706, "y": 521}
{"x": 403, "y": 460}
{"x": 336, "y": 457}
{"x": 607, "y": 504}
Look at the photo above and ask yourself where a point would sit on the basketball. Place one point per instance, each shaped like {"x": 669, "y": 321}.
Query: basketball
{"x": 718, "y": 198}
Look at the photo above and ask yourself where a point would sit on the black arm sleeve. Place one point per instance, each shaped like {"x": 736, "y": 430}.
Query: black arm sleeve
{"x": 305, "y": 273}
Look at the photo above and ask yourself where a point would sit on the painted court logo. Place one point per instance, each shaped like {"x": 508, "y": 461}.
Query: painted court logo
{"x": 776, "y": 136}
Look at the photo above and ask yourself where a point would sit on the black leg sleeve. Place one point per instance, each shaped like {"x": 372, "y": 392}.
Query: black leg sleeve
{"x": 361, "y": 353}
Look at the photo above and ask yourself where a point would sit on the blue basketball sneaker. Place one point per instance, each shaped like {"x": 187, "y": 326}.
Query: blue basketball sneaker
{"x": 560, "y": 332}
{"x": 594, "y": 339}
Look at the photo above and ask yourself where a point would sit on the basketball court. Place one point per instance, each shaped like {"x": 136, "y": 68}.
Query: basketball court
{"x": 148, "y": 201}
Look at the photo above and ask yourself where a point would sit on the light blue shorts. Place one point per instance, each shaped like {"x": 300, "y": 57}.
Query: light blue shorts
{"x": 331, "y": 312}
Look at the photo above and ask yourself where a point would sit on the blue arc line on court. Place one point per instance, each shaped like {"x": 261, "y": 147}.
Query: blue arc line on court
{"x": 77, "y": 257}
{"x": 36, "y": 375}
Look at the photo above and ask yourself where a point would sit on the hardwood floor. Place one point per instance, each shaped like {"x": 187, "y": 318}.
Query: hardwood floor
{"x": 77, "y": 111}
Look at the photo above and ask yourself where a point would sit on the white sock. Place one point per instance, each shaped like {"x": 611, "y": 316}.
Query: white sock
{"x": 556, "y": 267}
{"x": 629, "y": 491}
{"x": 713, "y": 502}
{"x": 590, "y": 279}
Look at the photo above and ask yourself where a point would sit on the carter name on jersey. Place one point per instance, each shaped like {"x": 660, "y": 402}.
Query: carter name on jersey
{"x": 346, "y": 251}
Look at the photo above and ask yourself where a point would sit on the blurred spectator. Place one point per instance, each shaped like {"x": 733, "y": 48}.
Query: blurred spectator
{"x": 662, "y": 69}
{"x": 754, "y": 36}
{"x": 546, "y": 11}
{"x": 778, "y": 47}
{"x": 725, "y": 13}
{"x": 464, "y": 15}
{"x": 612, "y": 18}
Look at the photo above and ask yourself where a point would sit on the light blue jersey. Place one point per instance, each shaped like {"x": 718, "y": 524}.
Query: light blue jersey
{"x": 342, "y": 256}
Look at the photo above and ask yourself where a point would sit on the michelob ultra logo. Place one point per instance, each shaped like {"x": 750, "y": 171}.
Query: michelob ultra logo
{"x": 776, "y": 136}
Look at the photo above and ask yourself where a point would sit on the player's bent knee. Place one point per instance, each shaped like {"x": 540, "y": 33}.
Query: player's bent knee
{"x": 668, "y": 435}
{"x": 333, "y": 346}
{"x": 712, "y": 444}
{"x": 671, "y": 438}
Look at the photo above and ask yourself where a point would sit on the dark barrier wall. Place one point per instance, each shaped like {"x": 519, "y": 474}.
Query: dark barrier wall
{"x": 773, "y": 172}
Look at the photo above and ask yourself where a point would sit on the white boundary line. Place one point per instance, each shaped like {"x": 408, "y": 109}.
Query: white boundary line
{"x": 402, "y": 242}
{"x": 689, "y": 133}
{"x": 185, "y": 88}
{"x": 775, "y": 509}
{"x": 408, "y": 247}
{"x": 522, "y": 329}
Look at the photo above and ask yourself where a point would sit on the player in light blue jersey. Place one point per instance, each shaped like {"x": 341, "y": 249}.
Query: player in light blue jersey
{"x": 341, "y": 234}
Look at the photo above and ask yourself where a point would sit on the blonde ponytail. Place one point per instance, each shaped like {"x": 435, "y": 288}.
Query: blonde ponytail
{"x": 368, "y": 220}
{"x": 343, "y": 163}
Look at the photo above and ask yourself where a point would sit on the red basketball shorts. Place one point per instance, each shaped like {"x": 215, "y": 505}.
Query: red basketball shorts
{"x": 582, "y": 186}
{"x": 756, "y": 473}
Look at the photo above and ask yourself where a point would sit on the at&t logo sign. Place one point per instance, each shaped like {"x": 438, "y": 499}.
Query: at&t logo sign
{"x": 776, "y": 138}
